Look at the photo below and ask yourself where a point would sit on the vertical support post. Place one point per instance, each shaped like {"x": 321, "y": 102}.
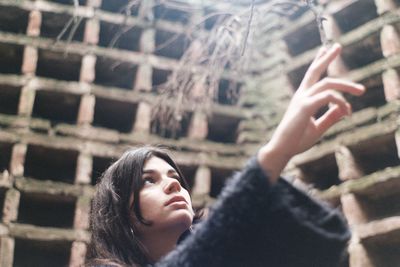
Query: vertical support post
{"x": 383, "y": 6}
{"x": 198, "y": 128}
{"x": 11, "y": 204}
{"x": 354, "y": 209}
{"x": 347, "y": 164}
{"x": 78, "y": 254}
{"x": 7, "y": 245}
{"x": 202, "y": 185}
{"x": 391, "y": 84}
{"x": 83, "y": 169}
{"x": 359, "y": 256}
{"x": 17, "y": 161}
{"x": 82, "y": 210}
{"x": 143, "y": 118}
{"x": 86, "y": 110}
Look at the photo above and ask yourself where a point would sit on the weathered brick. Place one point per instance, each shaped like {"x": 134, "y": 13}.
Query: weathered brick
{"x": 82, "y": 210}
{"x": 94, "y": 3}
{"x": 198, "y": 128}
{"x": 143, "y": 118}
{"x": 6, "y": 251}
{"x": 34, "y": 24}
{"x": 92, "y": 32}
{"x": 78, "y": 254}
{"x": 384, "y": 6}
{"x": 143, "y": 80}
{"x": 86, "y": 109}
{"x": 202, "y": 186}
{"x": 18, "y": 159}
{"x": 391, "y": 84}
{"x": 354, "y": 209}
{"x": 26, "y": 101}
{"x": 390, "y": 41}
{"x": 29, "y": 61}
{"x": 347, "y": 164}
{"x": 359, "y": 256}
{"x": 11, "y": 204}
{"x": 88, "y": 71}
{"x": 83, "y": 169}
{"x": 148, "y": 41}
{"x": 202, "y": 181}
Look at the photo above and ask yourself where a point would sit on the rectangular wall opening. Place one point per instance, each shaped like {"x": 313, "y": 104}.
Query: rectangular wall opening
{"x": 165, "y": 12}
{"x": 29, "y": 253}
{"x": 60, "y": 66}
{"x": 120, "y": 36}
{"x": 11, "y": 58}
{"x": 222, "y": 129}
{"x": 46, "y": 210}
{"x": 377, "y": 208}
{"x": 219, "y": 176}
{"x": 296, "y": 75}
{"x": 5, "y": 156}
{"x": 213, "y": 17}
{"x": 170, "y": 44}
{"x": 56, "y": 106}
{"x": 13, "y": 19}
{"x": 384, "y": 153}
{"x": 322, "y": 173}
{"x": 44, "y": 163}
{"x": 374, "y": 96}
{"x": 121, "y": 6}
{"x": 110, "y": 72}
{"x": 9, "y": 99}
{"x": 68, "y": 2}
{"x": 303, "y": 39}
{"x": 364, "y": 52}
{"x": 189, "y": 172}
{"x": 100, "y": 164}
{"x": 384, "y": 255}
{"x": 346, "y": 20}
{"x": 114, "y": 114}
{"x": 159, "y": 77}
{"x": 53, "y": 24}
{"x": 180, "y": 129}
{"x": 228, "y": 92}
{"x": 2, "y": 197}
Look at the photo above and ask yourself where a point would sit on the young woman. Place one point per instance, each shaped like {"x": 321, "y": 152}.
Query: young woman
{"x": 142, "y": 206}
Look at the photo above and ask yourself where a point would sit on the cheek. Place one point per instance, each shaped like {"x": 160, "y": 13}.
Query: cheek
{"x": 147, "y": 206}
{"x": 189, "y": 199}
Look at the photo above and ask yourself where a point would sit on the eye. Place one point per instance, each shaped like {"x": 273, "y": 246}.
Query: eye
{"x": 149, "y": 180}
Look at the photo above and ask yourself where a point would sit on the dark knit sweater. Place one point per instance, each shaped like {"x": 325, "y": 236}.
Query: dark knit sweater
{"x": 255, "y": 223}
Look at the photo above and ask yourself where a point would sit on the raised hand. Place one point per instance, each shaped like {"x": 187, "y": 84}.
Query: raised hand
{"x": 299, "y": 130}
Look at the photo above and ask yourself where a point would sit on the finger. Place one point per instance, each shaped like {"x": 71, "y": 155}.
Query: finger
{"x": 337, "y": 85}
{"x": 321, "y": 52}
{"x": 320, "y": 65}
{"x": 327, "y": 97}
{"x": 332, "y": 116}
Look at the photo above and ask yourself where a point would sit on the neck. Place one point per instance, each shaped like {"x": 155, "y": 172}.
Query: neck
{"x": 159, "y": 243}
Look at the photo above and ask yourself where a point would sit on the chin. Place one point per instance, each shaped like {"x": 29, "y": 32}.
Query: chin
{"x": 182, "y": 219}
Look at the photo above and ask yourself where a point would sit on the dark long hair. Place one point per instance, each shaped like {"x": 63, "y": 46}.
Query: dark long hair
{"x": 114, "y": 237}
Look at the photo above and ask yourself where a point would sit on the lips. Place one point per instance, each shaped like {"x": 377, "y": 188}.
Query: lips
{"x": 175, "y": 199}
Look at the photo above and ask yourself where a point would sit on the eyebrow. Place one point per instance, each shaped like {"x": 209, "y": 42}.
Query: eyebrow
{"x": 155, "y": 171}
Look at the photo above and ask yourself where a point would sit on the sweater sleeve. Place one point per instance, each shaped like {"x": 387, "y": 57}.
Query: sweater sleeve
{"x": 255, "y": 223}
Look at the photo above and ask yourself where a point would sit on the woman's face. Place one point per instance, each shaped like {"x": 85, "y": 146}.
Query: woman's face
{"x": 163, "y": 201}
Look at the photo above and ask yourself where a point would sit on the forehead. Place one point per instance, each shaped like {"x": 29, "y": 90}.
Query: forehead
{"x": 157, "y": 164}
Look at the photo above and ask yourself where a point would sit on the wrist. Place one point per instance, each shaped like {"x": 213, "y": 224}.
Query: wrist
{"x": 272, "y": 160}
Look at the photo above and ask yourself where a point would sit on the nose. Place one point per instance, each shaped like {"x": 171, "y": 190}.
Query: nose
{"x": 172, "y": 185}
